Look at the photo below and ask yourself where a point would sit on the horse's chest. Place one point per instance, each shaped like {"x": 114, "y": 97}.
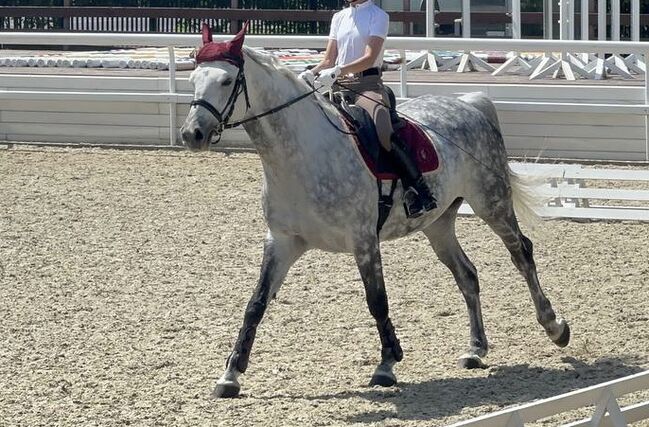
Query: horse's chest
{"x": 303, "y": 219}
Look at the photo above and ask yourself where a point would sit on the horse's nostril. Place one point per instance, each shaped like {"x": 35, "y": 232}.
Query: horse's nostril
{"x": 198, "y": 135}
{"x": 185, "y": 134}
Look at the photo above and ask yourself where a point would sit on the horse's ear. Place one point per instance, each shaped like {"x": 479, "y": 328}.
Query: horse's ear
{"x": 207, "y": 33}
{"x": 237, "y": 41}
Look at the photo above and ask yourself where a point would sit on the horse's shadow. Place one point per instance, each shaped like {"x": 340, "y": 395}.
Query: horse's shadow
{"x": 505, "y": 386}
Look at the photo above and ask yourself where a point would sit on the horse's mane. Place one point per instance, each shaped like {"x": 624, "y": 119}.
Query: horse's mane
{"x": 269, "y": 63}
{"x": 273, "y": 66}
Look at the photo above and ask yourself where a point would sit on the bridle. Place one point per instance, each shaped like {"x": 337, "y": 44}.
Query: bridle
{"x": 240, "y": 86}
{"x": 224, "y": 116}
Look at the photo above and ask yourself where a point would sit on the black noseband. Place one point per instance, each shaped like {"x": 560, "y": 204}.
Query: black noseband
{"x": 209, "y": 107}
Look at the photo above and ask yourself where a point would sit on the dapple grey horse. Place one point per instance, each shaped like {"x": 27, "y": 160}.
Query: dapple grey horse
{"x": 318, "y": 194}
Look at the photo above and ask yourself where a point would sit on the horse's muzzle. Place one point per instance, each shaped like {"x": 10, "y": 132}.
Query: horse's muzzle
{"x": 196, "y": 139}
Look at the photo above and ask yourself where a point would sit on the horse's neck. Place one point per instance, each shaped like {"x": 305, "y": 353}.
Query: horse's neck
{"x": 292, "y": 134}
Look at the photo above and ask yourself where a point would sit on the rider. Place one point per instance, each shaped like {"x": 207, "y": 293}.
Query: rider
{"x": 353, "y": 58}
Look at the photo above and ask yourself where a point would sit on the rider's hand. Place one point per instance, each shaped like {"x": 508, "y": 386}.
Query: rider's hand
{"x": 328, "y": 77}
{"x": 308, "y": 77}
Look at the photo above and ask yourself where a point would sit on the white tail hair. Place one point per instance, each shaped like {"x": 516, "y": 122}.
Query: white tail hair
{"x": 527, "y": 198}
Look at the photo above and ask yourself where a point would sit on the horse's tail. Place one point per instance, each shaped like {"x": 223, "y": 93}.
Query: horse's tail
{"x": 526, "y": 197}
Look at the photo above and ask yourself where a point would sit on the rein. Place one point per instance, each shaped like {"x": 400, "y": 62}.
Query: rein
{"x": 271, "y": 111}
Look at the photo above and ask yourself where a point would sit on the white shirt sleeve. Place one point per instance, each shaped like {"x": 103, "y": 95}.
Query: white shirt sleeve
{"x": 379, "y": 24}
{"x": 335, "y": 24}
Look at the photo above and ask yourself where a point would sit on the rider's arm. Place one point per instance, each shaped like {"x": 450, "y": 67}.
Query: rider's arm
{"x": 329, "y": 59}
{"x": 372, "y": 51}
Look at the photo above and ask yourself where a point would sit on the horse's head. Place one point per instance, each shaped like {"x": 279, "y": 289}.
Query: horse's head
{"x": 218, "y": 81}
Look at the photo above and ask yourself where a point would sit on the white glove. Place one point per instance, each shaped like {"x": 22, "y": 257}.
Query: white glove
{"x": 308, "y": 77}
{"x": 328, "y": 77}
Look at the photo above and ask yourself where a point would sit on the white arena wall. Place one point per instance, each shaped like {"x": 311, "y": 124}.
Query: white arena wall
{"x": 540, "y": 131}
{"x": 599, "y": 121}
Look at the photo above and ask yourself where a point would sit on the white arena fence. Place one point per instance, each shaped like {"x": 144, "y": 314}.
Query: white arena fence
{"x": 603, "y": 397}
{"x": 582, "y": 121}
{"x": 575, "y": 191}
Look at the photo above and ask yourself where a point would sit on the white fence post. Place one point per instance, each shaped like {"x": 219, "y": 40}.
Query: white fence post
{"x": 646, "y": 102}
{"x": 403, "y": 75}
{"x": 430, "y": 18}
{"x": 516, "y": 19}
{"x": 548, "y": 20}
{"x": 584, "y": 19}
{"x": 172, "y": 90}
{"x": 466, "y": 19}
{"x": 635, "y": 20}
{"x": 615, "y": 20}
{"x": 601, "y": 19}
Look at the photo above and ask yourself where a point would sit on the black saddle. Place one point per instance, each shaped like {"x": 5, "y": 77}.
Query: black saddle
{"x": 364, "y": 128}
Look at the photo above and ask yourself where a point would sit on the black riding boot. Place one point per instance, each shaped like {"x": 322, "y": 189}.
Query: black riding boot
{"x": 416, "y": 197}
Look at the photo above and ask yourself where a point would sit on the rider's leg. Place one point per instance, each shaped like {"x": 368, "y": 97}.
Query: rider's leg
{"x": 412, "y": 177}
{"x": 373, "y": 102}
{"x": 417, "y": 197}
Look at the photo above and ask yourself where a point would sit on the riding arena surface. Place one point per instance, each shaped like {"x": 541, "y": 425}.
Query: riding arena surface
{"x": 124, "y": 276}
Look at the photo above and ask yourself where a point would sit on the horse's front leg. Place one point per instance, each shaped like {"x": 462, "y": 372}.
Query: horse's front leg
{"x": 368, "y": 259}
{"x": 280, "y": 253}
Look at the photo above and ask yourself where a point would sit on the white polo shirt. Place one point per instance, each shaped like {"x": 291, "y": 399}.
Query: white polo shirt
{"x": 352, "y": 28}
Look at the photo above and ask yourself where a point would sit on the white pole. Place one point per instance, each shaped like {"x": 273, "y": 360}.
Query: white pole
{"x": 584, "y": 19}
{"x": 570, "y": 19}
{"x": 516, "y": 19}
{"x": 601, "y": 19}
{"x": 615, "y": 20}
{"x": 635, "y": 20}
{"x": 403, "y": 75}
{"x": 646, "y": 101}
{"x": 548, "y": 20}
{"x": 430, "y": 18}
{"x": 564, "y": 23}
{"x": 172, "y": 90}
{"x": 466, "y": 19}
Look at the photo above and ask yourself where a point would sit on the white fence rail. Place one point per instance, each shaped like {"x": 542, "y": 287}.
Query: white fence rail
{"x": 569, "y": 196}
{"x": 635, "y": 141}
{"x": 603, "y": 397}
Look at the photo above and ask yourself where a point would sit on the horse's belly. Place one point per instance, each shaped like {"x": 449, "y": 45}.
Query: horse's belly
{"x": 316, "y": 233}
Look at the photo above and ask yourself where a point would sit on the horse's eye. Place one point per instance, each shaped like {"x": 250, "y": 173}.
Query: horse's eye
{"x": 227, "y": 82}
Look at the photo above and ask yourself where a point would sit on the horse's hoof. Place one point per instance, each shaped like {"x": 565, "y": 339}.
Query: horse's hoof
{"x": 226, "y": 389}
{"x": 564, "y": 338}
{"x": 471, "y": 361}
{"x": 384, "y": 380}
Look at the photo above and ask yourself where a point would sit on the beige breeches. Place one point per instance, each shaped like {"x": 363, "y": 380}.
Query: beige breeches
{"x": 373, "y": 100}
{"x": 379, "y": 113}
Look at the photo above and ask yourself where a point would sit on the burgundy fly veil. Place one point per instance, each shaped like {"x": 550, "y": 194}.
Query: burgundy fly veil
{"x": 229, "y": 51}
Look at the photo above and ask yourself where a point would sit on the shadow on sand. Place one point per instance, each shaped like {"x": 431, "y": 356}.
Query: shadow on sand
{"x": 505, "y": 386}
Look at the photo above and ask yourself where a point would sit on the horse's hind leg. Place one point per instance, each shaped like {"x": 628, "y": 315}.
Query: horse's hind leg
{"x": 280, "y": 253}
{"x": 441, "y": 235}
{"x": 368, "y": 259}
{"x": 501, "y": 218}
